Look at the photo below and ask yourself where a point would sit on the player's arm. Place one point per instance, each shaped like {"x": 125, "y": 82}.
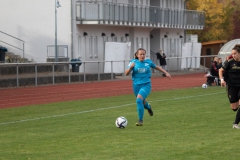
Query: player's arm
{"x": 220, "y": 73}
{"x": 162, "y": 70}
{"x": 128, "y": 71}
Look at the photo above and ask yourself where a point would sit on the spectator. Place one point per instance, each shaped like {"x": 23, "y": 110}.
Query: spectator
{"x": 214, "y": 72}
{"x": 161, "y": 56}
{"x": 219, "y": 64}
{"x": 229, "y": 57}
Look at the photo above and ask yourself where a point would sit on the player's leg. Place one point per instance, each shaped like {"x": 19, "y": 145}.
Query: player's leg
{"x": 237, "y": 119}
{"x": 236, "y": 106}
{"x": 146, "y": 104}
{"x": 233, "y": 96}
{"x": 139, "y": 102}
{"x": 142, "y": 95}
{"x": 140, "y": 109}
{"x": 147, "y": 90}
{"x": 148, "y": 107}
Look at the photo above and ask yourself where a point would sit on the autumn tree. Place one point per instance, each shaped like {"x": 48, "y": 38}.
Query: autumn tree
{"x": 214, "y": 18}
{"x": 232, "y": 22}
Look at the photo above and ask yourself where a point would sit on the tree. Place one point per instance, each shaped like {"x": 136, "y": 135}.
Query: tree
{"x": 232, "y": 22}
{"x": 222, "y": 19}
{"x": 214, "y": 18}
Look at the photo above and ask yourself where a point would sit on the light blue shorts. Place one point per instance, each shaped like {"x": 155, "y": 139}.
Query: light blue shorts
{"x": 142, "y": 89}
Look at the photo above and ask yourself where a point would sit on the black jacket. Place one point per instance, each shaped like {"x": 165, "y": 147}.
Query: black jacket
{"x": 214, "y": 69}
{"x": 162, "y": 59}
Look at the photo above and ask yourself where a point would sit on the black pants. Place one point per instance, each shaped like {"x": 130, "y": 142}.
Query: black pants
{"x": 211, "y": 79}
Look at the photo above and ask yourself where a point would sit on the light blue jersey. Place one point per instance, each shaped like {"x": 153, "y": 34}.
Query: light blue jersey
{"x": 141, "y": 76}
{"x": 141, "y": 72}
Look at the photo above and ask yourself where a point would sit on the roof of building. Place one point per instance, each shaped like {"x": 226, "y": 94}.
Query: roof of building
{"x": 227, "y": 48}
{"x": 214, "y": 42}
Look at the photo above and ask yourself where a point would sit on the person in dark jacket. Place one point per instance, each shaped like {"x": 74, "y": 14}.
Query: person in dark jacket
{"x": 219, "y": 64}
{"x": 214, "y": 72}
{"x": 161, "y": 56}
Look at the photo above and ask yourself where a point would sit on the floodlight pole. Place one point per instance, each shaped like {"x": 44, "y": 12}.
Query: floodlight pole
{"x": 57, "y": 5}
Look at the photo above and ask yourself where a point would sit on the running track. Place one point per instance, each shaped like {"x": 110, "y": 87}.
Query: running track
{"x": 23, "y": 96}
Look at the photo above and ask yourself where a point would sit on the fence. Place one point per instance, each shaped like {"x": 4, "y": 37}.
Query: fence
{"x": 128, "y": 13}
{"x": 57, "y": 71}
{"x": 62, "y": 51}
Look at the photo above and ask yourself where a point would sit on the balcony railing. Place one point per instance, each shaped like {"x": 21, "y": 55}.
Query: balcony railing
{"x": 88, "y": 12}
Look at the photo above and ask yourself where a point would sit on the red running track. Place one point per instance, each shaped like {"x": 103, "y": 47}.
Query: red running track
{"x": 23, "y": 96}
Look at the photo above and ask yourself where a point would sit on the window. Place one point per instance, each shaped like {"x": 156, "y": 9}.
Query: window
{"x": 122, "y": 39}
{"x": 209, "y": 51}
{"x": 130, "y": 1}
{"x": 95, "y": 47}
{"x": 139, "y": 2}
{"x": 80, "y": 46}
{"x": 90, "y": 47}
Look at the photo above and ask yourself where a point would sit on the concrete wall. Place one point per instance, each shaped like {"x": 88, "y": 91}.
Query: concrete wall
{"x": 92, "y": 46}
{"x": 34, "y": 22}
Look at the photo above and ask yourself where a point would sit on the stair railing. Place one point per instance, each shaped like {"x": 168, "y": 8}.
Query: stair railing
{"x": 22, "y": 49}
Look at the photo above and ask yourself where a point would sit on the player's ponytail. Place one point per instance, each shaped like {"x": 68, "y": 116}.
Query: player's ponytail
{"x": 237, "y": 48}
{"x": 135, "y": 55}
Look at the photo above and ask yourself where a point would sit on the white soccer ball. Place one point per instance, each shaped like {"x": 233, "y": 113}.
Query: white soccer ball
{"x": 204, "y": 86}
{"x": 121, "y": 122}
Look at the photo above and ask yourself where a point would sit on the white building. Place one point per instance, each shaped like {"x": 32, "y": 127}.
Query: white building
{"x": 83, "y": 27}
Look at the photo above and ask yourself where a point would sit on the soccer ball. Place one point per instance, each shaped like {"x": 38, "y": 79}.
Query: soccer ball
{"x": 204, "y": 86}
{"x": 121, "y": 122}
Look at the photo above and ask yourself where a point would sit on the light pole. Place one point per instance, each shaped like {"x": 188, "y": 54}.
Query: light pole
{"x": 57, "y": 5}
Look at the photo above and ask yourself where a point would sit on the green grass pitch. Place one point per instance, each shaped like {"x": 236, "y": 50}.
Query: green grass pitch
{"x": 192, "y": 123}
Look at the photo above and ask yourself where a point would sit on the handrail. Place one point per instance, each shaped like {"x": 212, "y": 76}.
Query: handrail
{"x": 153, "y": 56}
{"x": 12, "y": 45}
{"x": 12, "y": 36}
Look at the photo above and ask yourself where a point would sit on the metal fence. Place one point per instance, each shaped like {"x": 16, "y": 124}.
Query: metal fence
{"x": 54, "y": 73}
{"x": 61, "y": 49}
{"x": 132, "y": 14}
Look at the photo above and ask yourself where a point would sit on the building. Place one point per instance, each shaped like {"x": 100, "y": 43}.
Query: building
{"x": 80, "y": 29}
{"x": 211, "y": 48}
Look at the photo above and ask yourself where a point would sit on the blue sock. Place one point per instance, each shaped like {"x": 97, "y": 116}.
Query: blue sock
{"x": 146, "y": 106}
{"x": 140, "y": 108}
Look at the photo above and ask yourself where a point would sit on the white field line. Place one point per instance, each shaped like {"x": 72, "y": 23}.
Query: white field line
{"x": 100, "y": 109}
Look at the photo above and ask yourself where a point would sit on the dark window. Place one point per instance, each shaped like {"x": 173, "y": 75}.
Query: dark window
{"x": 209, "y": 51}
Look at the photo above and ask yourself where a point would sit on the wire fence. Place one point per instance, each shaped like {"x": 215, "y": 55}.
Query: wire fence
{"x": 22, "y": 74}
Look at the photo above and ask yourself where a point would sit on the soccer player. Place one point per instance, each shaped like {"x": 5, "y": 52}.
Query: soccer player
{"x": 141, "y": 77}
{"x": 231, "y": 78}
